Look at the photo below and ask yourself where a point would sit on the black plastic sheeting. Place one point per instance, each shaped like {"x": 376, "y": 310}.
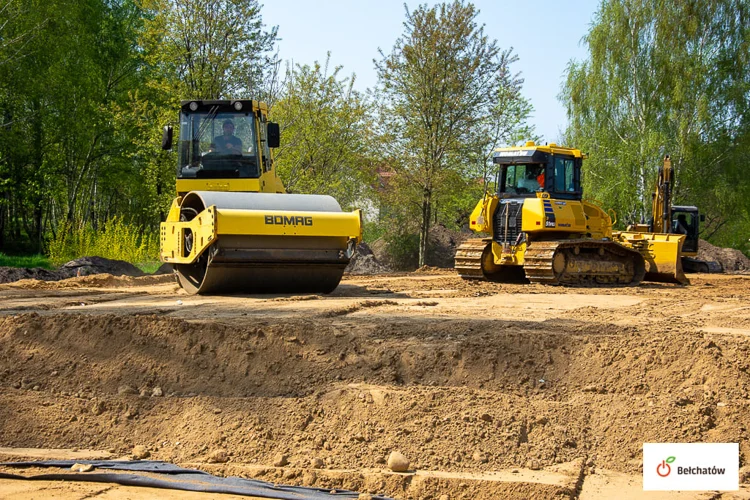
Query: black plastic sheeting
{"x": 177, "y": 478}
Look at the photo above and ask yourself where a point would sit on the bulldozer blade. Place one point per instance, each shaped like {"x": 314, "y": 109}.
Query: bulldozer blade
{"x": 661, "y": 252}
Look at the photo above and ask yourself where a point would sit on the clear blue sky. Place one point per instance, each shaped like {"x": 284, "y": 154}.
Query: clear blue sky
{"x": 545, "y": 38}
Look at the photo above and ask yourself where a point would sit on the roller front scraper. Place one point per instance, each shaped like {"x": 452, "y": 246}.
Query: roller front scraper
{"x": 232, "y": 227}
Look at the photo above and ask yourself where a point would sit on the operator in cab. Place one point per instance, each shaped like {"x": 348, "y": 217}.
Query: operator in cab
{"x": 227, "y": 143}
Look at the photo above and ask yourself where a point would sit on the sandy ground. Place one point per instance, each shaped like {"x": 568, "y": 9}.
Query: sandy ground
{"x": 490, "y": 390}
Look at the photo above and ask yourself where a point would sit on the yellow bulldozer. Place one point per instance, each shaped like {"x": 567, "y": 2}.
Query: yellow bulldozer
{"x": 542, "y": 231}
{"x": 675, "y": 219}
{"x": 232, "y": 227}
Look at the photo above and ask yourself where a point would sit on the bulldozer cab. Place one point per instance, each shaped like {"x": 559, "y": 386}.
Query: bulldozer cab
{"x": 520, "y": 179}
{"x": 685, "y": 220}
{"x": 527, "y": 170}
{"x": 219, "y": 140}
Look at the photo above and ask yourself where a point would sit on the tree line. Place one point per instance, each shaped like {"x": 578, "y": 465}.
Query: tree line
{"x": 669, "y": 77}
{"x": 86, "y": 85}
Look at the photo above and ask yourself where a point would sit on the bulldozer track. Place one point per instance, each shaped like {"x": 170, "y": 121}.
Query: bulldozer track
{"x": 575, "y": 262}
{"x": 468, "y": 261}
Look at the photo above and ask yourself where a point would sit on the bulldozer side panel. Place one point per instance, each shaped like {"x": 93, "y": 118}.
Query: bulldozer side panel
{"x": 598, "y": 222}
{"x": 546, "y": 215}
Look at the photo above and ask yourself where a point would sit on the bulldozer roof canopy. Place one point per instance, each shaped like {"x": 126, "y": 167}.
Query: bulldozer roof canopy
{"x": 533, "y": 153}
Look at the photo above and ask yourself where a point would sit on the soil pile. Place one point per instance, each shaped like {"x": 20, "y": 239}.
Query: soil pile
{"x": 442, "y": 246}
{"x": 364, "y": 262}
{"x": 164, "y": 269}
{"x": 11, "y": 274}
{"x": 84, "y": 266}
{"x": 429, "y": 270}
{"x": 382, "y": 254}
{"x": 461, "y": 377}
{"x": 729, "y": 258}
{"x": 439, "y": 391}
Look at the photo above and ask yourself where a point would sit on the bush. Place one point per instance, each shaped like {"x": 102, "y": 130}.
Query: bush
{"x": 24, "y": 261}
{"x": 116, "y": 240}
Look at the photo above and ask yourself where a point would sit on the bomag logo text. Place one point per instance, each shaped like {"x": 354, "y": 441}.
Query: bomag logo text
{"x": 289, "y": 220}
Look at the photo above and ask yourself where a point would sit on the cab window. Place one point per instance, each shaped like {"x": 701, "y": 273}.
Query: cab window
{"x": 564, "y": 175}
{"x": 521, "y": 179}
{"x": 682, "y": 223}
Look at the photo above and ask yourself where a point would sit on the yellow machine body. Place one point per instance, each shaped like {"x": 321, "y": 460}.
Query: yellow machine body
{"x": 232, "y": 227}
{"x": 541, "y": 230}
{"x": 666, "y": 225}
{"x": 661, "y": 252}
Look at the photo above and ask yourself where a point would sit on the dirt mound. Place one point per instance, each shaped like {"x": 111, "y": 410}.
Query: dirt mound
{"x": 91, "y": 281}
{"x": 85, "y": 266}
{"x": 429, "y": 270}
{"x": 464, "y": 378}
{"x": 364, "y": 262}
{"x": 11, "y": 274}
{"x": 729, "y": 258}
{"x": 442, "y": 245}
{"x": 439, "y": 391}
{"x": 380, "y": 251}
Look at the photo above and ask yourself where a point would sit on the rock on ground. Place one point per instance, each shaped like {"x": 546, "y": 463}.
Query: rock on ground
{"x": 397, "y": 462}
{"x": 140, "y": 452}
{"x": 280, "y": 460}
{"x": 218, "y": 456}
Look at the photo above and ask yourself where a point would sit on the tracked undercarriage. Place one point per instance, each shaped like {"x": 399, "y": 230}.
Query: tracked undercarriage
{"x": 577, "y": 262}
{"x": 559, "y": 262}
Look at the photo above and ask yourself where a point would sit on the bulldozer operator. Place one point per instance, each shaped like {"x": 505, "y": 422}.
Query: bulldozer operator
{"x": 532, "y": 181}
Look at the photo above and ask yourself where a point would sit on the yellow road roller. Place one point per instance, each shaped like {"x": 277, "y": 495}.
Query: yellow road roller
{"x": 233, "y": 228}
{"x": 542, "y": 231}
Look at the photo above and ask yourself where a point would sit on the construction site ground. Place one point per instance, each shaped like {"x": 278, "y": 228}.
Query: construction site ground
{"x": 490, "y": 390}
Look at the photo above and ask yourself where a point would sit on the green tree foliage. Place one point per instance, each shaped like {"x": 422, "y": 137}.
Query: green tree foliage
{"x": 85, "y": 87}
{"x": 666, "y": 78}
{"x": 61, "y": 158}
{"x": 209, "y": 49}
{"x": 444, "y": 88}
{"x": 325, "y": 128}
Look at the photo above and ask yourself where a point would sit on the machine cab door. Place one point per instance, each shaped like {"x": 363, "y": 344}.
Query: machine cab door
{"x": 685, "y": 220}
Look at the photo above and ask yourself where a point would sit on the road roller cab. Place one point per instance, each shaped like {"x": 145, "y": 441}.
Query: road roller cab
{"x": 232, "y": 227}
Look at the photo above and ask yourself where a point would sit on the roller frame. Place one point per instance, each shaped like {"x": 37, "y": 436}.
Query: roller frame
{"x": 244, "y": 243}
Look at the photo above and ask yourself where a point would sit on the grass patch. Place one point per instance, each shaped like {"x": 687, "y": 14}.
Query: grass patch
{"x": 148, "y": 267}
{"x": 25, "y": 261}
{"x": 117, "y": 240}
